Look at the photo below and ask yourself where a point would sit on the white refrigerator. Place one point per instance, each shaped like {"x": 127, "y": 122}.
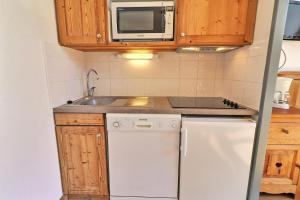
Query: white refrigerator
{"x": 215, "y": 158}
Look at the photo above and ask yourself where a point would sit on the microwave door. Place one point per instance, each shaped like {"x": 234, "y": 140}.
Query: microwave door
{"x": 140, "y": 22}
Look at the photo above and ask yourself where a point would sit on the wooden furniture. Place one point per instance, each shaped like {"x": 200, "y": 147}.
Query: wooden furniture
{"x": 216, "y": 22}
{"x": 82, "y": 154}
{"x": 83, "y": 25}
{"x": 294, "y": 100}
{"x": 81, "y": 22}
{"x": 281, "y": 169}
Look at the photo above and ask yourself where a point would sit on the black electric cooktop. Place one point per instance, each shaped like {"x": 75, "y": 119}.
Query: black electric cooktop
{"x": 203, "y": 102}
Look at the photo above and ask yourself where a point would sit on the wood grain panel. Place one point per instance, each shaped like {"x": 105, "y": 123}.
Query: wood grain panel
{"x": 250, "y": 21}
{"x": 283, "y": 148}
{"x": 274, "y": 181}
{"x": 268, "y": 186}
{"x": 284, "y": 133}
{"x": 83, "y": 154}
{"x": 217, "y": 18}
{"x": 78, "y": 119}
{"x": 89, "y": 18}
{"x": 73, "y": 17}
{"x": 279, "y": 163}
{"x": 296, "y": 148}
{"x": 80, "y": 21}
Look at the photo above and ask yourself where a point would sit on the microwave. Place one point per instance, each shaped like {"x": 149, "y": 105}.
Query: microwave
{"x": 142, "y": 20}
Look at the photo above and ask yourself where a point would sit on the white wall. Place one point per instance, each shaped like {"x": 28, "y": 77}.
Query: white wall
{"x": 29, "y": 165}
{"x": 170, "y": 74}
{"x": 292, "y": 50}
{"x": 244, "y": 67}
{"x": 65, "y": 70}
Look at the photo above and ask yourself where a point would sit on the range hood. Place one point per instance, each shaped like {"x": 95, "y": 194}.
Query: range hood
{"x": 206, "y": 49}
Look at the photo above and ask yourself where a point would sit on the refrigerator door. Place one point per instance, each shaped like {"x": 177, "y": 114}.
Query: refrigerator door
{"x": 215, "y": 158}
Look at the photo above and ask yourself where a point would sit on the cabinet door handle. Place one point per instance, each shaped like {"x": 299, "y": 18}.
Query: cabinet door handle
{"x": 98, "y": 138}
{"x": 185, "y": 142}
{"x": 284, "y": 130}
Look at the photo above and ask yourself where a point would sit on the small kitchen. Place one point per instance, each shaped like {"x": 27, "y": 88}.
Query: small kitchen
{"x": 153, "y": 99}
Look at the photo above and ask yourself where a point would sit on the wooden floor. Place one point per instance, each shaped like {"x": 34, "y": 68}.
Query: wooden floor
{"x": 275, "y": 197}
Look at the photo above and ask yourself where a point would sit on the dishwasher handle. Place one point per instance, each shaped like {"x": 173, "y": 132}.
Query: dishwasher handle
{"x": 184, "y": 142}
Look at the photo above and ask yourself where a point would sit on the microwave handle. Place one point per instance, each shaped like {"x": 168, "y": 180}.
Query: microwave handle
{"x": 164, "y": 18}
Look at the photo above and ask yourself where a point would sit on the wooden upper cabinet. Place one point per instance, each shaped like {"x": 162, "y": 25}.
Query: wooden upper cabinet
{"x": 215, "y": 22}
{"x": 81, "y": 22}
{"x": 82, "y": 160}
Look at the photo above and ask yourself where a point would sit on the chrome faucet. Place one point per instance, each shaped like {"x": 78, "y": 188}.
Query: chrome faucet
{"x": 90, "y": 90}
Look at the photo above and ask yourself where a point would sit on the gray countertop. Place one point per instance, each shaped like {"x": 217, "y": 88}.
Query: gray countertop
{"x": 159, "y": 105}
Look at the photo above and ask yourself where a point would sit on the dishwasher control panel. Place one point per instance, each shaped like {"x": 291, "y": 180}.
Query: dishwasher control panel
{"x": 144, "y": 122}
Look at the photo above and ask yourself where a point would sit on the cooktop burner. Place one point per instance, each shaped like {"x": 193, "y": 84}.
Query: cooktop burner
{"x": 203, "y": 102}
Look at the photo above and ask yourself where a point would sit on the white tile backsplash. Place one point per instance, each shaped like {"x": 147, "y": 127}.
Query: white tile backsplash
{"x": 103, "y": 68}
{"x": 207, "y": 69}
{"x": 188, "y": 87}
{"x": 103, "y": 87}
{"x": 136, "y": 87}
{"x": 169, "y": 69}
{"x": 65, "y": 70}
{"x": 205, "y": 87}
{"x": 170, "y": 74}
{"x": 168, "y": 87}
{"x": 118, "y": 87}
{"x": 189, "y": 69}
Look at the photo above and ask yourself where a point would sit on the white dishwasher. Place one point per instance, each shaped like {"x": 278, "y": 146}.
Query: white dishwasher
{"x": 143, "y": 156}
{"x": 215, "y": 158}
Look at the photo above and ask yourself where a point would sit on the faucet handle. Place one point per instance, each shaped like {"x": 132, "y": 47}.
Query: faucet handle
{"x": 91, "y": 92}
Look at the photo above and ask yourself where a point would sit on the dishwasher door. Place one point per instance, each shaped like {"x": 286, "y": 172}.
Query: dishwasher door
{"x": 144, "y": 163}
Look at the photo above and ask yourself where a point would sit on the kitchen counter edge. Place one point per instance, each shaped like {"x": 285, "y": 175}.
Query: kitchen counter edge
{"x": 161, "y": 106}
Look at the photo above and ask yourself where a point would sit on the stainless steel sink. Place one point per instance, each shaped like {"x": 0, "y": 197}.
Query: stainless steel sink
{"x": 115, "y": 101}
{"x": 95, "y": 101}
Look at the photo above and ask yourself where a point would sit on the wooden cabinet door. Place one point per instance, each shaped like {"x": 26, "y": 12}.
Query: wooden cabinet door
{"x": 83, "y": 159}
{"x": 216, "y": 22}
{"x": 81, "y": 22}
{"x": 280, "y": 162}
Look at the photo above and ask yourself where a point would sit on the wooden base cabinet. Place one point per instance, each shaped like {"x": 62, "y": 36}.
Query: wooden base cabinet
{"x": 82, "y": 155}
{"x": 280, "y": 172}
{"x": 281, "y": 169}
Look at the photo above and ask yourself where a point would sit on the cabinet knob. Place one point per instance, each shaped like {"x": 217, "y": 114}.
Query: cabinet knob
{"x": 284, "y": 130}
{"x": 98, "y": 135}
{"x": 182, "y": 34}
{"x": 99, "y": 36}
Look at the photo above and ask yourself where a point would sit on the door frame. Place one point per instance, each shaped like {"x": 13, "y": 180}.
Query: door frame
{"x": 265, "y": 110}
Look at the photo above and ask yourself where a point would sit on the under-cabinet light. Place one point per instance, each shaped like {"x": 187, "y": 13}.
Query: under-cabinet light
{"x": 137, "y": 56}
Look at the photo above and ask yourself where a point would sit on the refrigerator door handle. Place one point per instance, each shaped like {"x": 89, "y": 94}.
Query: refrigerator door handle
{"x": 185, "y": 142}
